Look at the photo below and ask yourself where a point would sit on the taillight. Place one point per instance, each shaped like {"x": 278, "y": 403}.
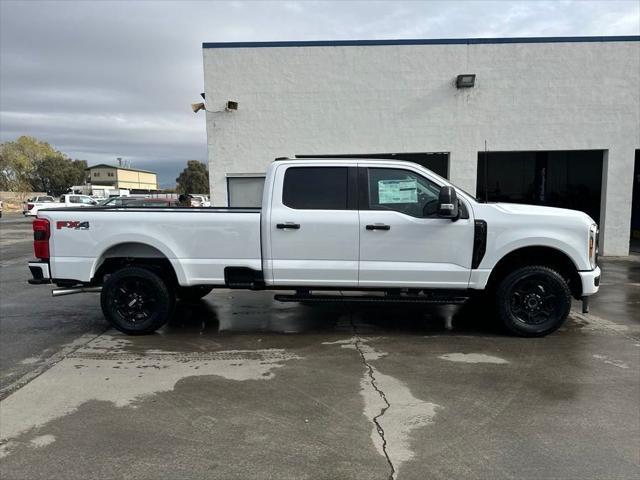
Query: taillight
{"x": 29, "y": 206}
{"x": 41, "y": 234}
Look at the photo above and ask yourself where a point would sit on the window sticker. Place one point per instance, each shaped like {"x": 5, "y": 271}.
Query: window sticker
{"x": 398, "y": 191}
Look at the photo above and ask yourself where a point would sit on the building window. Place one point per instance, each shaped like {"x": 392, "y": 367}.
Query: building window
{"x": 96, "y": 174}
{"x": 110, "y": 174}
{"x": 316, "y": 188}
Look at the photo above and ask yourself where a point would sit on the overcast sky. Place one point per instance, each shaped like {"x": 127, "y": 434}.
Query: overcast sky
{"x": 106, "y": 79}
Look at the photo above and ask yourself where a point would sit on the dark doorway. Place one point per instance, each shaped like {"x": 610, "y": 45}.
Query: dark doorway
{"x": 566, "y": 179}
{"x": 635, "y": 206}
{"x": 436, "y": 162}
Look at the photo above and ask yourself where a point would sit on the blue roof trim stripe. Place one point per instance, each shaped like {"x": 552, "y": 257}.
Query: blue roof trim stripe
{"x": 428, "y": 41}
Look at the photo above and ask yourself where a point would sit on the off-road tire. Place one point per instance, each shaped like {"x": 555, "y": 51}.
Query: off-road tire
{"x": 136, "y": 301}
{"x": 533, "y": 301}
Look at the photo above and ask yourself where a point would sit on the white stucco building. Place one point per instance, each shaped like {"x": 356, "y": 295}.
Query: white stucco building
{"x": 560, "y": 116}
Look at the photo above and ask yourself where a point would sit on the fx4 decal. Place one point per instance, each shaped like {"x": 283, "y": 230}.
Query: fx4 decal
{"x": 72, "y": 224}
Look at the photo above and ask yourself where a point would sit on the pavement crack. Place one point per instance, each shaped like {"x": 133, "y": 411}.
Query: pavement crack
{"x": 376, "y": 420}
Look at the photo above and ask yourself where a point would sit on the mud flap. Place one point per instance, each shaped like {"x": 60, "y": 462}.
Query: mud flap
{"x": 585, "y": 304}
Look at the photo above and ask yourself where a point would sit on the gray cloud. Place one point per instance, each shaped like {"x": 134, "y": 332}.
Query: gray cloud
{"x": 104, "y": 79}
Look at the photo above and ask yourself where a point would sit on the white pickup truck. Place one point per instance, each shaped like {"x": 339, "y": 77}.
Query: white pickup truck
{"x": 357, "y": 230}
{"x": 31, "y": 207}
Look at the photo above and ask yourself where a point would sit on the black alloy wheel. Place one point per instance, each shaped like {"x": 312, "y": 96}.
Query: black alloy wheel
{"x": 136, "y": 300}
{"x": 533, "y": 301}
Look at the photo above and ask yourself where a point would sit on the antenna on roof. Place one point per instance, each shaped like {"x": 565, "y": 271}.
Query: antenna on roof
{"x": 119, "y": 159}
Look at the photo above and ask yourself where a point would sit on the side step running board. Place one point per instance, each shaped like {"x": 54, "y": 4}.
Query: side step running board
{"x": 371, "y": 299}
{"x": 242, "y": 285}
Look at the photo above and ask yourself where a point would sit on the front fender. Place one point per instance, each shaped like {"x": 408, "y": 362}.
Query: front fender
{"x": 503, "y": 245}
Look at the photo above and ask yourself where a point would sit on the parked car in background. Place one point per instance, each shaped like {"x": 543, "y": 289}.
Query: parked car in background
{"x": 116, "y": 201}
{"x": 31, "y": 206}
{"x": 154, "y": 202}
{"x": 138, "y": 202}
{"x": 200, "y": 201}
{"x": 1, "y": 205}
{"x": 73, "y": 200}
{"x": 67, "y": 200}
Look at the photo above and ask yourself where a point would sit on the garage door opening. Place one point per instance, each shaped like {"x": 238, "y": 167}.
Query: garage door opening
{"x": 566, "y": 179}
{"x": 245, "y": 190}
{"x": 437, "y": 162}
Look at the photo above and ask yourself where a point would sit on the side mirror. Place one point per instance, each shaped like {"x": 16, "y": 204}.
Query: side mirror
{"x": 448, "y": 206}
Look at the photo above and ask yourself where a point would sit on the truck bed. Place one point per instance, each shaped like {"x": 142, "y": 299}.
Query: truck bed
{"x": 199, "y": 242}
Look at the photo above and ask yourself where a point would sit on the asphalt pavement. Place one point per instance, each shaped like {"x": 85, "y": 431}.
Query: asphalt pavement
{"x": 239, "y": 386}
{"x": 34, "y": 327}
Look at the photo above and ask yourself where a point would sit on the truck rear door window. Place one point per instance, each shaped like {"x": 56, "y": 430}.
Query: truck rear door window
{"x": 316, "y": 188}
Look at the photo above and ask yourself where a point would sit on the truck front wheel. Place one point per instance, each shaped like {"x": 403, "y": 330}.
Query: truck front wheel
{"x": 533, "y": 301}
{"x": 136, "y": 301}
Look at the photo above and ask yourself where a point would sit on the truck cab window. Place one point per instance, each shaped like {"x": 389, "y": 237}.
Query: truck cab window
{"x": 403, "y": 191}
{"x": 315, "y": 188}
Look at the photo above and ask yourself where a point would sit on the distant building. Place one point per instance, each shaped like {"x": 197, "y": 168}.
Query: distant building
{"x": 120, "y": 177}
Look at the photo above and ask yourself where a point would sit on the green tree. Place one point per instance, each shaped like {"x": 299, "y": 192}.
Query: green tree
{"x": 29, "y": 164}
{"x": 194, "y": 178}
{"x": 17, "y": 161}
{"x": 56, "y": 173}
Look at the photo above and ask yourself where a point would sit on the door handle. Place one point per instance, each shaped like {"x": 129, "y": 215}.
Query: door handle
{"x": 378, "y": 226}
{"x": 288, "y": 225}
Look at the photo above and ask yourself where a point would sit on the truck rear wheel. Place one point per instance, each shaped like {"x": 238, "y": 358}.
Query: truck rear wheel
{"x": 533, "y": 301}
{"x": 136, "y": 301}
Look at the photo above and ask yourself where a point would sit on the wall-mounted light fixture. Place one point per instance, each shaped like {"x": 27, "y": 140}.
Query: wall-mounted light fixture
{"x": 230, "y": 106}
{"x": 466, "y": 80}
{"x": 196, "y": 107}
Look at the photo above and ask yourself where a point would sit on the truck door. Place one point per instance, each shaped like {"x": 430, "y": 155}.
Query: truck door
{"x": 313, "y": 226}
{"x": 403, "y": 243}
